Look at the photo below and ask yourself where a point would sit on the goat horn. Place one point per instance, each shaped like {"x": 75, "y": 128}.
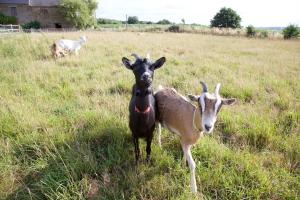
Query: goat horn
{"x": 148, "y": 56}
{"x": 135, "y": 55}
{"x": 204, "y": 86}
{"x": 217, "y": 88}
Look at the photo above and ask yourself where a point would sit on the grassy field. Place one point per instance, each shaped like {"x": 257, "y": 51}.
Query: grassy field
{"x": 64, "y": 123}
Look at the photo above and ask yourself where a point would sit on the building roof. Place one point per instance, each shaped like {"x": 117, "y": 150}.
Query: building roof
{"x": 44, "y": 2}
{"x": 32, "y": 2}
{"x": 14, "y": 1}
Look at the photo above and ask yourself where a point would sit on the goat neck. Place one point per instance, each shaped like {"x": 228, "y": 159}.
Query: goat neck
{"x": 197, "y": 119}
{"x": 143, "y": 100}
{"x": 81, "y": 41}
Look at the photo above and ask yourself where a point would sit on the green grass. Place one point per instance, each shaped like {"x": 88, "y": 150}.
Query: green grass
{"x": 63, "y": 123}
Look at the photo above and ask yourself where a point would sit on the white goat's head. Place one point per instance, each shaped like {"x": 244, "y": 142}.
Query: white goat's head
{"x": 83, "y": 38}
{"x": 209, "y": 106}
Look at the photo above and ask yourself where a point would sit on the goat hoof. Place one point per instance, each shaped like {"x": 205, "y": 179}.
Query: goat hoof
{"x": 194, "y": 190}
{"x": 148, "y": 160}
{"x": 136, "y": 162}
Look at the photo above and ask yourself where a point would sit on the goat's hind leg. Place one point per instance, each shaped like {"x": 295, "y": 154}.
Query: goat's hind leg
{"x": 159, "y": 134}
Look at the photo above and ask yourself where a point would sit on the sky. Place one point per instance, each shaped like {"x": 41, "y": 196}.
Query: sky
{"x": 259, "y": 13}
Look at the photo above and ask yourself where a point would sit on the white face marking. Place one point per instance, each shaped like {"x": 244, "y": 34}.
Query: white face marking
{"x": 202, "y": 102}
{"x": 218, "y": 104}
{"x": 209, "y": 115}
{"x": 145, "y": 74}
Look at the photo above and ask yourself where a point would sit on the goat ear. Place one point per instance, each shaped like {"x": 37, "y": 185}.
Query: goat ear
{"x": 127, "y": 63}
{"x": 159, "y": 63}
{"x": 228, "y": 101}
{"x": 193, "y": 98}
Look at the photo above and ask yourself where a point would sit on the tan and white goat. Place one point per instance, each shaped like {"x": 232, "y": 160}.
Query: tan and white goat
{"x": 64, "y": 47}
{"x": 188, "y": 121}
{"x": 58, "y": 51}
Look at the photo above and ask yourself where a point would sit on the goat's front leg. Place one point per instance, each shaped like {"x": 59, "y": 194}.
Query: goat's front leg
{"x": 192, "y": 165}
{"x": 148, "y": 148}
{"x": 136, "y": 149}
{"x": 184, "y": 161}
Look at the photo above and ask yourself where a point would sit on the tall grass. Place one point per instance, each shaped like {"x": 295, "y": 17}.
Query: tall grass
{"x": 64, "y": 132}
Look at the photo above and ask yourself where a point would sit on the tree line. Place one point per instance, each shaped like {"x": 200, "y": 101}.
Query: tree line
{"x": 81, "y": 13}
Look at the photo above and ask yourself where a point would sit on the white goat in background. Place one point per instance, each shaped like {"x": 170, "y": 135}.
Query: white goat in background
{"x": 63, "y": 47}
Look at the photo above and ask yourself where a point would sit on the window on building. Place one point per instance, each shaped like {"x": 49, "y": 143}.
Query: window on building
{"x": 13, "y": 11}
{"x": 44, "y": 12}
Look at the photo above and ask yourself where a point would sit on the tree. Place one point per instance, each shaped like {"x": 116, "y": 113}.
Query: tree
{"x": 133, "y": 20}
{"x": 226, "y": 18}
{"x": 291, "y": 31}
{"x": 164, "y": 21}
{"x": 79, "y": 12}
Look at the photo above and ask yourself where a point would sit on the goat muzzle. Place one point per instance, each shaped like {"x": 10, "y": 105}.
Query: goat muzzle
{"x": 147, "y": 110}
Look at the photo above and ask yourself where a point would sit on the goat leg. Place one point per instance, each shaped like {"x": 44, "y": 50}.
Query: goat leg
{"x": 148, "y": 148}
{"x": 136, "y": 149}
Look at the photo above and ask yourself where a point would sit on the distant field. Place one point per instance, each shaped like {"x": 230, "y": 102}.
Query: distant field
{"x": 261, "y": 32}
{"x": 64, "y": 132}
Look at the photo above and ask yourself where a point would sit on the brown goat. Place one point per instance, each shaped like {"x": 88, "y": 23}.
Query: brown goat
{"x": 188, "y": 121}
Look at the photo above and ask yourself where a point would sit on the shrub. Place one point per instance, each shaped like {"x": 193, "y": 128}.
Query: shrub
{"x": 226, "y": 18}
{"x": 108, "y": 21}
{"x": 7, "y": 19}
{"x": 250, "y": 30}
{"x": 291, "y": 31}
{"x": 263, "y": 34}
{"x": 154, "y": 29}
{"x": 32, "y": 24}
{"x": 174, "y": 28}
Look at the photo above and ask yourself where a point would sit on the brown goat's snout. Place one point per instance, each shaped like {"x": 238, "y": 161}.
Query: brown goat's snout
{"x": 207, "y": 127}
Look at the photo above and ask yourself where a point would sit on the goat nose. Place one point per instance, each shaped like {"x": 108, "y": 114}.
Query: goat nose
{"x": 207, "y": 127}
{"x": 145, "y": 76}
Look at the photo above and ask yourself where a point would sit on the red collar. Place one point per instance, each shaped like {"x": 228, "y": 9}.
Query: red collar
{"x": 143, "y": 112}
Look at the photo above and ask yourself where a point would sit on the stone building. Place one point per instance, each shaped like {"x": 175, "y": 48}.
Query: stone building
{"x": 44, "y": 11}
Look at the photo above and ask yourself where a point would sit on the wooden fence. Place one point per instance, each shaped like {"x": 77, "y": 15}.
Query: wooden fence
{"x": 9, "y": 28}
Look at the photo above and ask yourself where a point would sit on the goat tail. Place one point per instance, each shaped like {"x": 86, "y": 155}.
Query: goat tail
{"x": 160, "y": 87}
{"x": 159, "y": 134}
{"x": 54, "y": 45}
